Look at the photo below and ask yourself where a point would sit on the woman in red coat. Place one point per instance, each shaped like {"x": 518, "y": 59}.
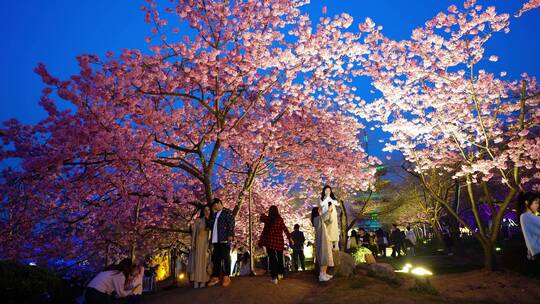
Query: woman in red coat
{"x": 272, "y": 239}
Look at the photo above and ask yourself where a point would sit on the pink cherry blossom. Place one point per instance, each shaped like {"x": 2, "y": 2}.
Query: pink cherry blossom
{"x": 529, "y": 5}
{"x": 444, "y": 113}
{"x": 255, "y": 99}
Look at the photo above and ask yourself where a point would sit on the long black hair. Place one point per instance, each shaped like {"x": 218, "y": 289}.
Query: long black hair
{"x": 273, "y": 213}
{"x": 525, "y": 200}
{"x": 314, "y": 214}
{"x": 331, "y": 193}
{"x": 245, "y": 257}
{"x": 354, "y": 234}
{"x": 201, "y": 212}
{"x": 123, "y": 267}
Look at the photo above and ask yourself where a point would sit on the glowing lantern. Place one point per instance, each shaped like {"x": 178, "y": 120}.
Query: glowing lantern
{"x": 419, "y": 271}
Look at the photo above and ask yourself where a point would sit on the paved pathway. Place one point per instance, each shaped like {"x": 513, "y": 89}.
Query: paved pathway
{"x": 293, "y": 289}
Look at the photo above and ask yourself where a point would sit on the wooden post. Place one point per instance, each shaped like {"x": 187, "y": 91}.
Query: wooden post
{"x": 250, "y": 237}
{"x": 173, "y": 257}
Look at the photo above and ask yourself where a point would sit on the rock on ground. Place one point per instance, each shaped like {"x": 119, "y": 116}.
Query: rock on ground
{"x": 345, "y": 264}
{"x": 380, "y": 270}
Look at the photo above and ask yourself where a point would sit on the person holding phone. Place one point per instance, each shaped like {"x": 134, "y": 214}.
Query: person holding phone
{"x": 272, "y": 240}
{"x": 328, "y": 206}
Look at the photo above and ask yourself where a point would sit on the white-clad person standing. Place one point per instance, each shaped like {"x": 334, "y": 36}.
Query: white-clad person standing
{"x": 329, "y": 205}
{"x": 529, "y": 204}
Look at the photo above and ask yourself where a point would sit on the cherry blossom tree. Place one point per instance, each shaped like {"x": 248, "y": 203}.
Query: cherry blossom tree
{"x": 240, "y": 61}
{"x": 295, "y": 149}
{"x": 72, "y": 202}
{"x": 152, "y": 134}
{"x": 444, "y": 110}
{"x": 411, "y": 204}
{"x": 349, "y": 172}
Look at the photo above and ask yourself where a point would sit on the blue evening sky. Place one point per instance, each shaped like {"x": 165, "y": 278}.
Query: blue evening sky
{"x": 56, "y": 31}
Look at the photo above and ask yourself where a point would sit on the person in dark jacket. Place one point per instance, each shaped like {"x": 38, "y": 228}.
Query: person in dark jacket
{"x": 298, "y": 248}
{"x": 448, "y": 242}
{"x": 396, "y": 241}
{"x": 221, "y": 225}
{"x": 382, "y": 241}
{"x": 272, "y": 240}
{"x": 363, "y": 238}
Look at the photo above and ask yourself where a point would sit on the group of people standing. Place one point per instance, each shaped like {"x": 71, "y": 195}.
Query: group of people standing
{"x": 213, "y": 232}
{"x": 325, "y": 222}
{"x": 211, "y": 239}
{"x": 219, "y": 228}
{"x": 377, "y": 241}
{"x": 402, "y": 241}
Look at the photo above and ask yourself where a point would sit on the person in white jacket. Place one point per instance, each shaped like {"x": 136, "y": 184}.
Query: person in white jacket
{"x": 529, "y": 204}
{"x": 410, "y": 240}
{"x": 329, "y": 203}
{"x": 106, "y": 283}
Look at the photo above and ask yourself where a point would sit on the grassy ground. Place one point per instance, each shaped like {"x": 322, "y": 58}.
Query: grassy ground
{"x": 510, "y": 256}
{"x": 456, "y": 279}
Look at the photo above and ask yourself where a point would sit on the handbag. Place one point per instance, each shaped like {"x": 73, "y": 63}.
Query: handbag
{"x": 370, "y": 259}
{"x": 209, "y": 265}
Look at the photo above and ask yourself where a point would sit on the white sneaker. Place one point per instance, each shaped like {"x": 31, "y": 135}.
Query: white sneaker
{"x": 280, "y": 277}
{"x": 196, "y": 285}
{"x": 323, "y": 278}
{"x": 274, "y": 281}
{"x": 328, "y": 276}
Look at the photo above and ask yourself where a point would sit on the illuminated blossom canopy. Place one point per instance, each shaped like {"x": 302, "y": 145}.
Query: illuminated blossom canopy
{"x": 445, "y": 110}
{"x": 252, "y": 96}
{"x": 245, "y": 97}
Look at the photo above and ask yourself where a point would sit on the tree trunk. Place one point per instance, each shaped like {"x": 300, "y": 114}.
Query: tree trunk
{"x": 173, "y": 257}
{"x": 135, "y": 223}
{"x": 436, "y": 231}
{"x": 208, "y": 190}
{"x": 246, "y": 189}
{"x": 343, "y": 227}
{"x": 132, "y": 253}
{"x": 489, "y": 256}
{"x": 250, "y": 239}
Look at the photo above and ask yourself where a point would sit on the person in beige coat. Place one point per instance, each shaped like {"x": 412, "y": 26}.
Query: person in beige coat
{"x": 199, "y": 255}
{"x": 323, "y": 246}
{"x": 329, "y": 206}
